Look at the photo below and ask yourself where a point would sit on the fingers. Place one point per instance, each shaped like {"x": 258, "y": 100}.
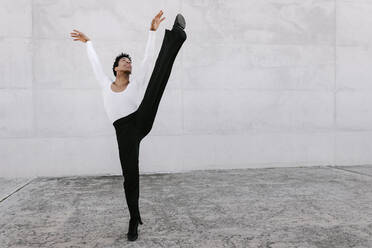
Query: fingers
{"x": 162, "y": 19}
{"x": 76, "y": 36}
{"x": 76, "y": 33}
{"x": 159, "y": 14}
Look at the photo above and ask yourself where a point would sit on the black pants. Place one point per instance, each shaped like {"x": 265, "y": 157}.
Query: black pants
{"x": 131, "y": 129}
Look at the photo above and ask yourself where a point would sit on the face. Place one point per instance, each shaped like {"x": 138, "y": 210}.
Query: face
{"x": 124, "y": 65}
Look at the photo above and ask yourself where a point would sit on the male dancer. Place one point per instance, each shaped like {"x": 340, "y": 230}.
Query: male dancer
{"x": 132, "y": 116}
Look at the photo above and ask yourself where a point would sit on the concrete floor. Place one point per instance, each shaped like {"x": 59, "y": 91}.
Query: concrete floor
{"x": 279, "y": 207}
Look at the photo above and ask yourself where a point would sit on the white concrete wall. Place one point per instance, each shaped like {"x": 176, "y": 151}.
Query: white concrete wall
{"x": 258, "y": 83}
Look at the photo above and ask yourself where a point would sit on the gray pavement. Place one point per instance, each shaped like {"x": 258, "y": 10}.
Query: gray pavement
{"x": 275, "y": 207}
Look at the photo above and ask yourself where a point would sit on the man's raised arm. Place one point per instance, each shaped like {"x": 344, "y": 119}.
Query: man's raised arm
{"x": 93, "y": 57}
{"x": 146, "y": 62}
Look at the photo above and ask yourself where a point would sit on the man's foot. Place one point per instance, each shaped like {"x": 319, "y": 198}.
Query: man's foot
{"x": 179, "y": 22}
{"x": 179, "y": 26}
{"x": 132, "y": 234}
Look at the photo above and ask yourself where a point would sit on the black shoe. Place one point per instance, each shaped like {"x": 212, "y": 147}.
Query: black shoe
{"x": 179, "y": 22}
{"x": 132, "y": 234}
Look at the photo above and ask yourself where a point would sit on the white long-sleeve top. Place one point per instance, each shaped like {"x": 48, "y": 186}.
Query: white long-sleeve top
{"x": 120, "y": 104}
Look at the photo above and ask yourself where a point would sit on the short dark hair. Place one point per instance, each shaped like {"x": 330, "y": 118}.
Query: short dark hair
{"x": 116, "y": 63}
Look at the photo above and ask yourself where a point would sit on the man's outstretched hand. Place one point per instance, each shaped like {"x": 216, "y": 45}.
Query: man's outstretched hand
{"x": 156, "y": 21}
{"x": 77, "y": 35}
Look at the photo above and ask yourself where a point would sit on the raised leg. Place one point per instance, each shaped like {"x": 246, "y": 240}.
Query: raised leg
{"x": 146, "y": 112}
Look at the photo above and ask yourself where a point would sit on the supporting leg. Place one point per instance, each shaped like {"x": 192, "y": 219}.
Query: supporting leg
{"x": 128, "y": 152}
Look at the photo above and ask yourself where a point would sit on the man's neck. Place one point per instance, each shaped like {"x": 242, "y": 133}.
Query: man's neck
{"x": 122, "y": 79}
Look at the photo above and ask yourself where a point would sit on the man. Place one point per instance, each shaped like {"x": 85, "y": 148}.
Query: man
{"x": 132, "y": 116}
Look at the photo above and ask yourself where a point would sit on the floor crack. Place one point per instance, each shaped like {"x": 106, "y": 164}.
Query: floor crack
{"x": 15, "y": 191}
{"x": 351, "y": 171}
